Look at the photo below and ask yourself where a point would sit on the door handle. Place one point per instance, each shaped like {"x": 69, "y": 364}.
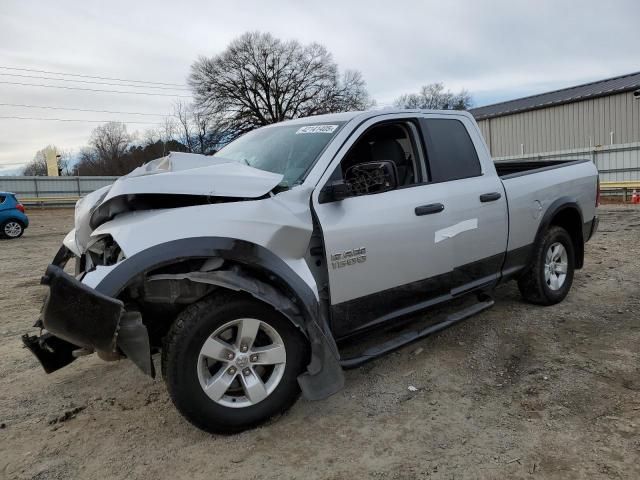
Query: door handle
{"x": 490, "y": 197}
{"x": 429, "y": 209}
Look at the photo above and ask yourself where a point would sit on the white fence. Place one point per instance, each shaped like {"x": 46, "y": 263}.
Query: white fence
{"x": 52, "y": 187}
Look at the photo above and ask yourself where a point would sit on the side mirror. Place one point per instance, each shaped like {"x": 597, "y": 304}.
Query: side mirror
{"x": 361, "y": 179}
{"x": 372, "y": 177}
{"x": 334, "y": 191}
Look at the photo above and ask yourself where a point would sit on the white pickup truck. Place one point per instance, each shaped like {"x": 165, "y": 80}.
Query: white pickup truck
{"x": 248, "y": 269}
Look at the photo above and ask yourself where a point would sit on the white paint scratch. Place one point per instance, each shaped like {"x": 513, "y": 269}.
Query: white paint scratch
{"x": 453, "y": 230}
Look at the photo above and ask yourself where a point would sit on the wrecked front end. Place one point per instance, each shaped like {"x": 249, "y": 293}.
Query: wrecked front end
{"x": 77, "y": 320}
{"x": 155, "y": 242}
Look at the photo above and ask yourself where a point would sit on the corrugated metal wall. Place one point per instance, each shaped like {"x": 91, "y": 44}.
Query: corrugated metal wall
{"x": 588, "y": 123}
{"x": 53, "y": 186}
{"x": 616, "y": 163}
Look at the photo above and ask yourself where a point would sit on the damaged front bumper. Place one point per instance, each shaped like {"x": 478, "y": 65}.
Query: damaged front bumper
{"x": 77, "y": 319}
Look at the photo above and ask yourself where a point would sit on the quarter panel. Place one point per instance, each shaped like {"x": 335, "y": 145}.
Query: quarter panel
{"x": 531, "y": 195}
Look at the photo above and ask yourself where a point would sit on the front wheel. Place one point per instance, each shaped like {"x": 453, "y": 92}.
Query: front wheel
{"x": 231, "y": 362}
{"x": 548, "y": 278}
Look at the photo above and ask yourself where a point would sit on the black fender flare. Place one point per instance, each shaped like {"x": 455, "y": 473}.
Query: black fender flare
{"x": 324, "y": 374}
{"x": 556, "y": 207}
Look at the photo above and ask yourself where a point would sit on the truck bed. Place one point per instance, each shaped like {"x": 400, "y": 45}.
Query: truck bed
{"x": 511, "y": 169}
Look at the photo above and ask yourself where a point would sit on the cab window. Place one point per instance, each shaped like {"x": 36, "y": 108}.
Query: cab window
{"x": 450, "y": 151}
{"x": 393, "y": 142}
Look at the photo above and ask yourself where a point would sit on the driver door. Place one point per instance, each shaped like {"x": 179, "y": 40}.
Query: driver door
{"x": 380, "y": 250}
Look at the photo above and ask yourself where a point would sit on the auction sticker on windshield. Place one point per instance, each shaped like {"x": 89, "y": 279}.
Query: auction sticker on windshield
{"x": 317, "y": 129}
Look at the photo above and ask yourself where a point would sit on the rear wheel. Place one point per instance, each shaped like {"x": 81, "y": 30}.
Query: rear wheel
{"x": 11, "y": 229}
{"x": 231, "y": 362}
{"x": 548, "y": 278}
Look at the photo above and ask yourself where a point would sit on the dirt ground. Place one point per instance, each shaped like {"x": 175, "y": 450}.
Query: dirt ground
{"x": 518, "y": 391}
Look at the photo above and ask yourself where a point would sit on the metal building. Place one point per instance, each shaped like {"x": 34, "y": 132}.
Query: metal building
{"x": 598, "y": 119}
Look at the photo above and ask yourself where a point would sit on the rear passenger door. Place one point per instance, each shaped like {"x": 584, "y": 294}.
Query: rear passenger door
{"x": 475, "y": 204}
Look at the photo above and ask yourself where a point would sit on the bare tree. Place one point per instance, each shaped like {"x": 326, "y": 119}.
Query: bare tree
{"x": 88, "y": 163}
{"x": 38, "y": 166}
{"x": 211, "y": 131}
{"x": 260, "y": 79}
{"x": 65, "y": 166}
{"x": 199, "y": 130}
{"x": 110, "y": 143}
{"x": 434, "y": 97}
{"x": 106, "y": 153}
{"x": 163, "y": 134}
{"x": 113, "y": 151}
{"x": 182, "y": 113}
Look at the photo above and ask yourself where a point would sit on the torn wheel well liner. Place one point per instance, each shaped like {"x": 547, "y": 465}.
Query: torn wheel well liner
{"x": 236, "y": 279}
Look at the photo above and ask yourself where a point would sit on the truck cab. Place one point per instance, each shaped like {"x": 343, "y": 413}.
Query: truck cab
{"x": 446, "y": 196}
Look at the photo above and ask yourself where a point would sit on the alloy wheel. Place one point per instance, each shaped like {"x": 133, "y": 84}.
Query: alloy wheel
{"x": 555, "y": 266}
{"x": 241, "y": 363}
{"x": 12, "y": 229}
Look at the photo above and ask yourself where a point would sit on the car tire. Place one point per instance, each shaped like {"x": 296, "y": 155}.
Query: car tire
{"x": 196, "y": 367}
{"x": 11, "y": 229}
{"x": 548, "y": 278}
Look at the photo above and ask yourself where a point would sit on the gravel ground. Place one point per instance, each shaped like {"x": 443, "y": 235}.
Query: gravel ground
{"x": 518, "y": 391}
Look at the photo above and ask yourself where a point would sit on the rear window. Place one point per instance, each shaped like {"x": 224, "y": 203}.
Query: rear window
{"x": 2, "y": 198}
{"x": 450, "y": 151}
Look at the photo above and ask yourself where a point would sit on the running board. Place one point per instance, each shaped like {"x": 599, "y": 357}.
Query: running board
{"x": 413, "y": 335}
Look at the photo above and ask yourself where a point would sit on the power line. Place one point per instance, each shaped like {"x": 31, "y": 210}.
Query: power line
{"x": 73, "y": 120}
{"x": 81, "y": 110}
{"x": 91, "y": 82}
{"x": 93, "y": 89}
{"x": 91, "y": 76}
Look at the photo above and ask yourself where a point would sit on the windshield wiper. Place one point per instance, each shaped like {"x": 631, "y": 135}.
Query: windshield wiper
{"x": 281, "y": 187}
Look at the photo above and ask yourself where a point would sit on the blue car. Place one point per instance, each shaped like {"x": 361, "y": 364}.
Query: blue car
{"x": 13, "y": 220}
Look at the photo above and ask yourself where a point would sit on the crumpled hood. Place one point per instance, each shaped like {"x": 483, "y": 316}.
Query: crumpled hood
{"x": 176, "y": 174}
{"x": 193, "y": 174}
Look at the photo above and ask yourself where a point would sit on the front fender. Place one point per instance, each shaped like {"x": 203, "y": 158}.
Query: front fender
{"x": 324, "y": 375}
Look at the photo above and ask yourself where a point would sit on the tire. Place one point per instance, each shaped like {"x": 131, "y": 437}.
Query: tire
{"x": 210, "y": 326}
{"x": 11, "y": 229}
{"x": 544, "y": 282}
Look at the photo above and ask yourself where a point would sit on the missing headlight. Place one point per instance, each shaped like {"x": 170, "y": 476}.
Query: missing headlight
{"x": 104, "y": 251}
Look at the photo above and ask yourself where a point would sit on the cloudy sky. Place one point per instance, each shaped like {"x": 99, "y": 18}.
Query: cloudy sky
{"x": 495, "y": 49}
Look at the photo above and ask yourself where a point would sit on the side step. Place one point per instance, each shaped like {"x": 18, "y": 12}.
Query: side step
{"x": 412, "y": 335}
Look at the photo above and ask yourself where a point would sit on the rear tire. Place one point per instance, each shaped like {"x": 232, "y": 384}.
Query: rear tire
{"x": 548, "y": 278}
{"x": 221, "y": 380}
{"x": 11, "y": 229}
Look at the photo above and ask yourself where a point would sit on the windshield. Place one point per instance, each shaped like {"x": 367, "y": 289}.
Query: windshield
{"x": 290, "y": 150}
